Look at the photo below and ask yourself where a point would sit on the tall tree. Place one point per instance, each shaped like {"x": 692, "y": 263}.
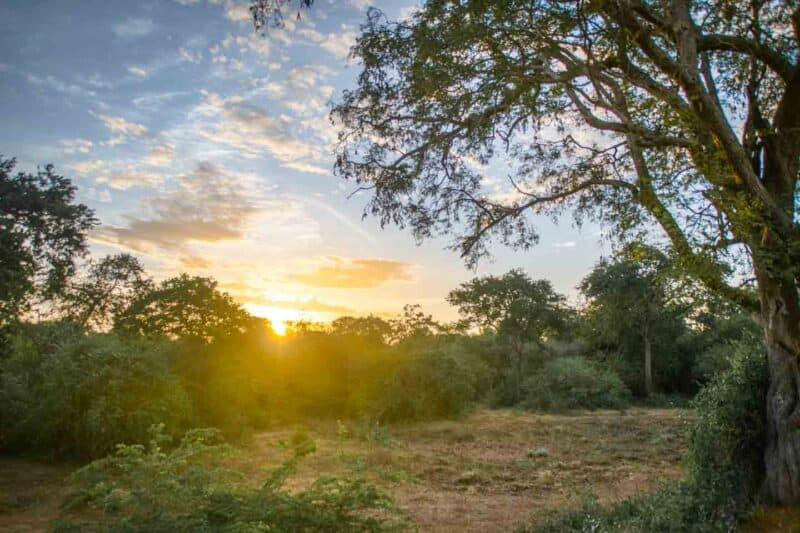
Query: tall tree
{"x": 513, "y": 306}
{"x": 676, "y": 113}
{"x": 42, "y": 233}
{"x": 631, "y": 294}
{"x": 105, "y": 291}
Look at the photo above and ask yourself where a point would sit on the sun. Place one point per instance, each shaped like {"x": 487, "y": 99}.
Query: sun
{"x": 281, "y": 317}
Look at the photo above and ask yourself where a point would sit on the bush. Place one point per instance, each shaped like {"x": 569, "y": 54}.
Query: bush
{"x": 79, "y": 396}
{"x": 437, "y": 382}
{"x": 145, "y": 489}
{"x": 724, "y": 463}
{"x": 574, "y": 383}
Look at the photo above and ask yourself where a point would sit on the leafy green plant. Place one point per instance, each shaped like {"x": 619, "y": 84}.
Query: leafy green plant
{"x": 574, "y": 383}
{"x": 437, "y": 382}
{"x": 145, "y": 489}
{"x": 79, "y": 395}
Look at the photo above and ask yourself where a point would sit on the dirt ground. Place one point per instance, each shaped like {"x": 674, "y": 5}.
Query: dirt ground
{"x": 492, "y": 471}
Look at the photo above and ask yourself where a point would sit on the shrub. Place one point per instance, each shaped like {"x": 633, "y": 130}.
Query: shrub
{"x": 724, "y": 463}
{"x": 82, "y": 395}
{"x": 146, "y": 489}
{"x": 437, "y": 382}
{"x": 574, "y": 383}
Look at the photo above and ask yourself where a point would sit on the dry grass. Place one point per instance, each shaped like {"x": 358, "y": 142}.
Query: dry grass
{"x": 497, "y": 469}
{"x": 492, "y": 471}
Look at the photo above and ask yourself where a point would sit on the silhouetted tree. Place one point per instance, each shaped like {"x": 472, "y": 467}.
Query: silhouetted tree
{"x": 42, "y": 233}
{"x": 185, "y": 307}
{"x": 107, "y": 289}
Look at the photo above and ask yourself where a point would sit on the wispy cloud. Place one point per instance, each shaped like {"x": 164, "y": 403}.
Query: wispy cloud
{"x": 161, "y": 154}
{"x": 251, "y": 129}
{"x": 345, "y": 273}
{"x": 74, "y": 146}
{"x": 139, "y": 72}
{"x": 120, "y": 125}
{"x": 133, "y": 27}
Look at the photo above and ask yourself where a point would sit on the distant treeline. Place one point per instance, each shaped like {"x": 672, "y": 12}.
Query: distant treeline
{"x": 121, "y": 353}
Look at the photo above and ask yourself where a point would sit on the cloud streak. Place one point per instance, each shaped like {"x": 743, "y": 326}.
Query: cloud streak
{"x": 358, "y": 273}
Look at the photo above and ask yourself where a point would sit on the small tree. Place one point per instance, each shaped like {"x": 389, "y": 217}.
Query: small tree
{"x": 107, "y": 289}
{"x": 512, "y": 306}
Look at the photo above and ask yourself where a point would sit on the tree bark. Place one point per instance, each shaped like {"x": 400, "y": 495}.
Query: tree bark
{"x": 780, "y": 314}
{"x": 648, "y": 363}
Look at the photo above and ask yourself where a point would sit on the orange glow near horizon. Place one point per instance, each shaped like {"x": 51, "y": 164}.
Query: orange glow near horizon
{"x": 280, "y": 317}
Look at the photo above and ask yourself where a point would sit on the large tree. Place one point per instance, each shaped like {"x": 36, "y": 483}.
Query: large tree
{"x": 514, "y": 307}
{"x": 42, "y": 234}
{"x": 680, "y": 114}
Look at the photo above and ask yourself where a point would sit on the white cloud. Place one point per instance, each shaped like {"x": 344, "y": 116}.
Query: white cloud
{"x": 339, "y": 43}
{"x": 138, "y": 72}
{"x": 120, "y": 125}
{"x": 74, "y": 146}
{"x": 89, "y": 166}
{"x": 361, "y": 5}
{"x": 133, "y": 27}
{"x": 252, "y": 130}
{"x": 129, "y": 178}
{"x": 238, "y": 12}
{"x": 161, "y": 154}
{"x": 58, "y": 85}
{"x": 565, "y": 244}
{"x": 190, "y": 57}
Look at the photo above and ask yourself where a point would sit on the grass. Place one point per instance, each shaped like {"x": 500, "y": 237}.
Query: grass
{"x": 492, "y": 471}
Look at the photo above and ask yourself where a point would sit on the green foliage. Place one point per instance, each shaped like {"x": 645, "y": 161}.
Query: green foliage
{"x": 42, "y": 232}
{"x": 184, "y": 307}
{"x": 145, "y": 489}
{"x": 511, "y": 304}
{"x": 438, "y": 382}
{"x": 724, "y": 464}
{"x": 517, "y": 309}
{"x": 66, "y": 394}
{"x": 574, "y": 383}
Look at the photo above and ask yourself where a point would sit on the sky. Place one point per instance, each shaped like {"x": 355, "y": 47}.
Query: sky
{"x": 206, "y": 148}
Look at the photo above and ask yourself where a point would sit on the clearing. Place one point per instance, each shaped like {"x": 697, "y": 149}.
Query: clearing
{"x": 491, "y": 471}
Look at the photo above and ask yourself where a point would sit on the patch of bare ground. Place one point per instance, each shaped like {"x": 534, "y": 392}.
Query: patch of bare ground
{"x": 30, "y": 494}
{"x": 492, "y": 471}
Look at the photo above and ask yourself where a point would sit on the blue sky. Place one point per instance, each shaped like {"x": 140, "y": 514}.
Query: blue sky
{"x": 206, "y": 148}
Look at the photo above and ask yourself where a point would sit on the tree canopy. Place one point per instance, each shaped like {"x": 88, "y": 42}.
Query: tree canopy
{"x": 673, "y": 114}
{"x": 187, "y": 307}
{"x": 626, "y": 111}
{"x": 42, "y": 233}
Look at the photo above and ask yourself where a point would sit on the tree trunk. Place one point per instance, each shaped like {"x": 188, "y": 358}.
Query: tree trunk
{"x": 781, "y": 322}
{"x": 648, "y": 363}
